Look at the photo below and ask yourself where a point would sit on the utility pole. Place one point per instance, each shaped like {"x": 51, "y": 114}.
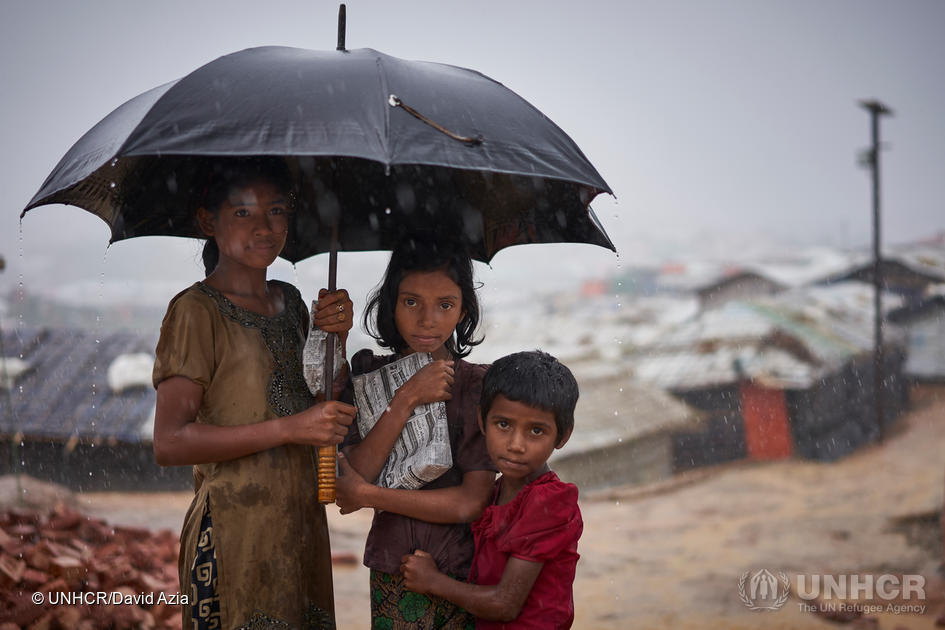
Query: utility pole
{"x": 877, "y": 109}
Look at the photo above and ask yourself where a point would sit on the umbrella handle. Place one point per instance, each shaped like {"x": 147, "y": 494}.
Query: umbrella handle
{"x": 327, "y": 458}
{"x": 327, "y": 468}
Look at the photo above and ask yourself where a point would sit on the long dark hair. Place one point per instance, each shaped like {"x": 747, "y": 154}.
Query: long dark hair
{"x": 424, "y": 254}
{"x": 222, "y": 177}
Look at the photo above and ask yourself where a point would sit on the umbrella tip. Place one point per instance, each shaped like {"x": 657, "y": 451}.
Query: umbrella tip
{"x": 341, "y": 27}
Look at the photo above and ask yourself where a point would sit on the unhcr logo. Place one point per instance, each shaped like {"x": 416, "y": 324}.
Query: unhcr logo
{"x": 761, "y": 590}
{"x": 861, "y": 587}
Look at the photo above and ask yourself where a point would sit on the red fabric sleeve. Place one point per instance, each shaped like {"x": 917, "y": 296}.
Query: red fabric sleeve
{"x": 548, "y": 524}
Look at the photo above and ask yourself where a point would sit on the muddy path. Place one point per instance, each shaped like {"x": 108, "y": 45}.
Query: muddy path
{"x": 671, "y": 555}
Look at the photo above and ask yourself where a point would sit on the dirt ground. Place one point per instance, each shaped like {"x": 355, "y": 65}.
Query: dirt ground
{"x": 671, "y": 555}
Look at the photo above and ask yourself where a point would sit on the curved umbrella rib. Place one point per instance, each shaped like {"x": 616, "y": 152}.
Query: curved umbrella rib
{"x": 395, "y": 101}
{"x": 382, "y": 80}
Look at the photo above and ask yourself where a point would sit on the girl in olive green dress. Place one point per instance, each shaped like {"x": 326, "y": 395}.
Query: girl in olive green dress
{"x": 232, "y": 403}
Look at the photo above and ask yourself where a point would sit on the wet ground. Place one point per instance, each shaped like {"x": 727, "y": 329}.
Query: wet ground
{"x": 672, "y": 555}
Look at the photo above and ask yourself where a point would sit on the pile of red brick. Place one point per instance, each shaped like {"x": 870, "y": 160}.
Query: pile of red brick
{"x": 84, "y": 573}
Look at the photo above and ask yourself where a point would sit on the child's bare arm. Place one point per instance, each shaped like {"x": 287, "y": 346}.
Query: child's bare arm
{"x": 431, "y": 384}
{"x": 180, "y": 441}
{"x": 500, "y": 602}
{"x": 457, "y": 504}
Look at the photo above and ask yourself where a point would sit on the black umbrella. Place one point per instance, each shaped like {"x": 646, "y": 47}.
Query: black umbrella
{"x": 365, "y": 161}
{"x": 381, "y": 147}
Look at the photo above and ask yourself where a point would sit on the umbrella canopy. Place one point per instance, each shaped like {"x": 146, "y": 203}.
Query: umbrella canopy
{"x": 381, "y": 147}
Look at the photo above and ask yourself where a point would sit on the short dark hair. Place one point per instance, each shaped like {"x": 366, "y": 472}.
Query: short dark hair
{"x": 420, "y": 253}
{"x": 536, "y": 379}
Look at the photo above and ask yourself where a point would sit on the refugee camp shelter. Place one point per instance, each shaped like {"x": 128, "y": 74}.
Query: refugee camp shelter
{"x": 78, "y": 410}
{"x": 623, "y": 433}
{"x": 924, "y": 323}
{"x": 737, "y": 286}
{"x": 908, "y": 270}
{"x": 780, "y": 376}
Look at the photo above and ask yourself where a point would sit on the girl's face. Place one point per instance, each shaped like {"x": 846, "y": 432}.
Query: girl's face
{"x": 429, "y": 306}
{"x": 251, "y": 225}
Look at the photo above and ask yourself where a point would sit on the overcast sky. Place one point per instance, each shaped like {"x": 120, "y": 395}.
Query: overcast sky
{"x": 715, "y": 122}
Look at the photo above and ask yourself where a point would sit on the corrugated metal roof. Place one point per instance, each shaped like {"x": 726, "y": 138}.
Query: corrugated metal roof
{"x": 65, "y": 393}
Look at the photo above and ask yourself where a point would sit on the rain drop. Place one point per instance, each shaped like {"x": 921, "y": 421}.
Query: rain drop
{"x": 114, "y": 161}
{"x": 112, "y": 185}
{"x": 386, "y": 210}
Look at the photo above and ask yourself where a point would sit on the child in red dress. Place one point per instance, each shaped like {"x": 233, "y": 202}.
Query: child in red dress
{"x": 526, "y": 540}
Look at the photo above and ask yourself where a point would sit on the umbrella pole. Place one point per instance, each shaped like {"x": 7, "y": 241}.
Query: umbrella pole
{"x": 328, "y": 455}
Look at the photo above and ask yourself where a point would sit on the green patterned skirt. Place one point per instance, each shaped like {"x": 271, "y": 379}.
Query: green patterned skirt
{"x": 393, "y": 607}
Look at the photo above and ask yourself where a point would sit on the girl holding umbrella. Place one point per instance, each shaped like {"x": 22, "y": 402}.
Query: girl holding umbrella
{"x": 232, "y": 402}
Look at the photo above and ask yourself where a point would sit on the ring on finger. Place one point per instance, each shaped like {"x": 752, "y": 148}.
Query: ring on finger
{"x": 341, "y": 307}
{"x": 341, "y": 317}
